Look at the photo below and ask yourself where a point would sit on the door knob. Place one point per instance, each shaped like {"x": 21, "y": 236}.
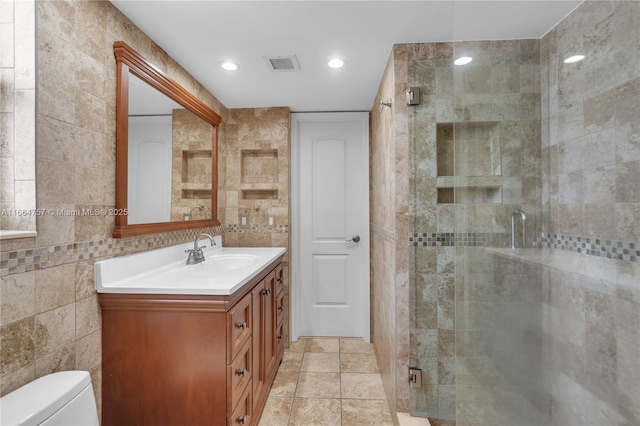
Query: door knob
{"x": 354, "y": 239}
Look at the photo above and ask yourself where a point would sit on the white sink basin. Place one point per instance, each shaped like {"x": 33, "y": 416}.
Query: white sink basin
{"x": 228, "y": 262}
{"x": 164, "y": 271}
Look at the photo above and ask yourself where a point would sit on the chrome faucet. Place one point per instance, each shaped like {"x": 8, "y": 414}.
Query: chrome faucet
{"x": 195, "y": 255}
{"x": 513, "y": 228}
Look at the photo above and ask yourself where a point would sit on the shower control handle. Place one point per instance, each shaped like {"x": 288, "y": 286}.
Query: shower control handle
{"x": 354, "y": 239}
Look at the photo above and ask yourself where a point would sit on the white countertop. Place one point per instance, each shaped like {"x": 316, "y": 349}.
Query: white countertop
{"x": 164, "y": 271}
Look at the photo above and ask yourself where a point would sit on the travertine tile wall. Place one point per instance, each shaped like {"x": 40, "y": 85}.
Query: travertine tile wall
{"x": 591, "y": 123}
{"x": 555, "y": 340}
{"x": 255, "y": 178}
{"x": 17, "y": 115}
{"x": 476, "y": 124}
{"x": 50, "y": 318}
{"x": 389, "y": 223}
{"x": 191, "y": 168}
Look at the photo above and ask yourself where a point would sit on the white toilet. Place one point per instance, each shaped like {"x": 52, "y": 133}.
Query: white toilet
{"x": 62, "y": 399}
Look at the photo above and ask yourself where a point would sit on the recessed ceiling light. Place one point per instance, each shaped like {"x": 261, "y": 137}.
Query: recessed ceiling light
{"x": 573, "y": 59}
{"x": 336, "y": 63}
{"x": 463, "y": 60}
{"x": 229, "y": 66}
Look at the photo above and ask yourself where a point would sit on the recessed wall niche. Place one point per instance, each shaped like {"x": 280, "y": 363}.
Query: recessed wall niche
{"x": 259, "y": 167}
{"x": 469, "y": 161}
{"x": 468, "y": 149}
{"x": 196, "y": 174}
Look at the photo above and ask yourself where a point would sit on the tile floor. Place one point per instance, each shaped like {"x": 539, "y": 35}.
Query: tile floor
{"x": 327, "y": 381}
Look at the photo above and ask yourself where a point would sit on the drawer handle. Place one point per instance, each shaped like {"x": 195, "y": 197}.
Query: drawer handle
{"x": 241, "y": 420}
{"x": 267, "y": 292}
{"x": 280, "y": 337}
{"x": 280, "y": 308}
{"x": 279, "y": 279}
{"x": 241, "y": 325}
{"x": 241, "y": 372}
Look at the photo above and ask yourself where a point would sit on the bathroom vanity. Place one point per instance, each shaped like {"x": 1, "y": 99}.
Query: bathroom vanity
{"x": 184, "y": 352}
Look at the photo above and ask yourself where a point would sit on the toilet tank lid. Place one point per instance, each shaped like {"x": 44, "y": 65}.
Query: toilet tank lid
{"x": 36, "y": 401}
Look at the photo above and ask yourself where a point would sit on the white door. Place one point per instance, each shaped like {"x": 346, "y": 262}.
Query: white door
{"x": 330, "y": 214}
{"x": 149, "y": 184}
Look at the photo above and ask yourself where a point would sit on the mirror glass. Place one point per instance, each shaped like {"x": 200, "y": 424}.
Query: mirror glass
{"x": 166, "y": 152}
{"x": 169, "y": 165}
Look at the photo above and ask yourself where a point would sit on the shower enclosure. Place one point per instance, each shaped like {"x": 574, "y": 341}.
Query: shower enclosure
{"x": 548, "y": 333}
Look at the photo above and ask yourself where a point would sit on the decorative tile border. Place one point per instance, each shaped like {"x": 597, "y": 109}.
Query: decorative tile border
{"x": 256, "y": 228}
{"x": 464, "y": 239}
{"x": 25, "y": 260}
{"x": 619, "y": 250}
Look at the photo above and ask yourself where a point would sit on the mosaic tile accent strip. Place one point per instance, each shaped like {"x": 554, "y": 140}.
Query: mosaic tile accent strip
{"x": 465, "y": 239}
{"x": 235, "y": 228}
{"x": 620, "y": 250}
{"x": 19, "y": 261}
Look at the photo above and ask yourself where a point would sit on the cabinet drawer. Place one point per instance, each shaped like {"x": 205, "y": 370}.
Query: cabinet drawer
{"x": 243, "y": 413}
{"x": 238, "y": 326}
{"x": 280, "y": 307}
{"x": 279, "y": 278}
{"x": 239, "y": 374}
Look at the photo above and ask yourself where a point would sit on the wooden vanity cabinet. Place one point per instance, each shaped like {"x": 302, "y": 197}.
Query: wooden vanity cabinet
{"x": 190, "y": 359}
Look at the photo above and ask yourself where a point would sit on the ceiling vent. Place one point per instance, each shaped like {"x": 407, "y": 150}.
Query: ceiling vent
{"x": 283, "y": 63}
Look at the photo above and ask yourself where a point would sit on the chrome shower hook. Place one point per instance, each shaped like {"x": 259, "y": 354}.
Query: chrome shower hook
{"x": 387, "y": 102}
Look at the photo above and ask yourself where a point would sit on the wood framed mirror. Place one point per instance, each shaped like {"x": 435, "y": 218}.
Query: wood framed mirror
{"x": 166, "y": 152}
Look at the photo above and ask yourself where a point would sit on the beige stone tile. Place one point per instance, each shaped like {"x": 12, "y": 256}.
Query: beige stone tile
{"x": 89, "y": 351}
{"x": 318, "y": 385}
{"x": 323, "y": 345}
{"x": 54, "y": 329}
{"x": 62, "y": 359}
{"x": 88, "y": 316}
{"x": 291, "y": 361}
{"x": 355, "y": 346}
{"x": 16, "y": 379}
{"x": 17, "y": 346}
{"x": 298, "y": 346}
{"x": 285, "y": 384}
{"x": 362, "y": 386}
{"x": 17, "y": 297}
{"x": 54, "y": 228}
{"x": 321, "y": 362}
{"x": 276, "y": 411}
{"x": 55, "y": 287}
{"x": 315, "y": 412}
{"x": 358, "y": 363}
{"x": 365, "y": 412}
{"x": 406, "y": 419}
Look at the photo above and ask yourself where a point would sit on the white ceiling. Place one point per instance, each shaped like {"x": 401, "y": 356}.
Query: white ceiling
{"x": 201, "y": 34}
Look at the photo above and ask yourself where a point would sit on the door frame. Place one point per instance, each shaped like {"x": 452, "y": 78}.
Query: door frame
{"x": 294, "y": 256}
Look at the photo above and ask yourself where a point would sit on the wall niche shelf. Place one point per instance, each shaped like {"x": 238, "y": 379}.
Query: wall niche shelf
{"x": 196, "y": 166}
{"x": 259, "y": 165}
{"x": 480, "y": 182}
{"x": 259, "y": 194}
{"x": 196, "y": 174}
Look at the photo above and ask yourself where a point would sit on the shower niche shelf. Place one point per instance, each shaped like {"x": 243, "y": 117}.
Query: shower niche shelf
{"x": 469, "y": 162}
{"x": 480, "y": 182}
